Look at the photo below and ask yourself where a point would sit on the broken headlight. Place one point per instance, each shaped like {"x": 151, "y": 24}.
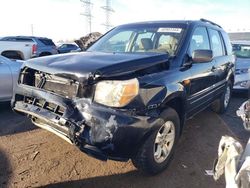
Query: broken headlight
{"x": 116, "y": 93}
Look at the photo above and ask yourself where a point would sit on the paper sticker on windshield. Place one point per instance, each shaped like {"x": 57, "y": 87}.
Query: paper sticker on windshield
{"x": 169, "y": 30}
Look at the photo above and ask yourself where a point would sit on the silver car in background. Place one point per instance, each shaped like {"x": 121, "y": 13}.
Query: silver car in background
{"x": 242, "y": 71}
{"x": 9, "y": 71}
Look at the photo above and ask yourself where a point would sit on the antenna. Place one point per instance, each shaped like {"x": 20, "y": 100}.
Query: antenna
{"x": 86, "y": 4}
{"x": 108, "y": 11}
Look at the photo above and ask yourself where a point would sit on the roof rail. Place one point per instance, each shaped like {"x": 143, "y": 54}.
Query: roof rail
{"x": 208, "y": 21}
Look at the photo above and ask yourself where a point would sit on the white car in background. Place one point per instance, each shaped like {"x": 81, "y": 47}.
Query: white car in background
{"x": 18, "y": 49}
{"x": 9, "y": 71}
{"x": 242, "y": 71}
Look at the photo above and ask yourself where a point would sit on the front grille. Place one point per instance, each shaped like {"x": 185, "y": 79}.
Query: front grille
{"x": 59, "y": 110}
{"x": 67, "y": 88}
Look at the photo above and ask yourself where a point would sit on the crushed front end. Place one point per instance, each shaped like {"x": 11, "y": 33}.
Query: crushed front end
{"x": 64, "y": 105}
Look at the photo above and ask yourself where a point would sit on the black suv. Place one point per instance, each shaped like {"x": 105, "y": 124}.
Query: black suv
{"x": 128, "y": 96}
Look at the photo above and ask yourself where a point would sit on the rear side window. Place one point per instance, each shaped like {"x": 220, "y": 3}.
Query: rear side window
{"x": 227, "y": 43}
{"x": 47, "y": 42}
{"x": 63, "y": 46}
{"x": 24, "y": 40}
{"x": 216, "y": 43}
{"x": 199, "y": 40}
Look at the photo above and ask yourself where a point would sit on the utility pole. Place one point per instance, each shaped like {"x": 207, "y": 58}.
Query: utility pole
{"x": 108, "y": 11}
{"x": 87, "y": 13}
{"x": 32, "y": 30}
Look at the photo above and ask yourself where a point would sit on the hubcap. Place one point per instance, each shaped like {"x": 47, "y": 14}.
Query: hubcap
{"x": 227, "y": 96}
{"x": 164, "y": 142}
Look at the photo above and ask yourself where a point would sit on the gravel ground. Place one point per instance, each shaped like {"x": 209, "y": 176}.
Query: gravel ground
{"x": 31, "y": 157}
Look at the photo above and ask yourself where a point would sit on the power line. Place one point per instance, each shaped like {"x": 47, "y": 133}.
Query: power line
{"x": 87, "y": 13}
{"x": 108, "y": 11}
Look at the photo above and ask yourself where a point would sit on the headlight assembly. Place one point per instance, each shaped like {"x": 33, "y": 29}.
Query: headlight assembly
{"x": 115, "y": 93}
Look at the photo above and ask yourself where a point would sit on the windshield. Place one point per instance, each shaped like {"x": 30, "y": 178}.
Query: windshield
{"x": 241, "y": 50}
{"x": 140, "y": 39}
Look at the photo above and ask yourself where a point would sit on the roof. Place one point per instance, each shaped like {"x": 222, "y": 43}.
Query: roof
{"x": 26, "y": 37}
{"x": 177, "y": 22}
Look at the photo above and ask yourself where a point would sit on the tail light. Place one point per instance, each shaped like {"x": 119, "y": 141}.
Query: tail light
{"x": 34, "y": 49}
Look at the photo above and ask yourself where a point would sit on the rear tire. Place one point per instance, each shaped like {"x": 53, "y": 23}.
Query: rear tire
{"x": 157, "y": 151}
{"x": 220, "y": 105}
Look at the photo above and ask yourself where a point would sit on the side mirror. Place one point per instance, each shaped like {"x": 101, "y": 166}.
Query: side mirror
{"x": 202, "y": 56}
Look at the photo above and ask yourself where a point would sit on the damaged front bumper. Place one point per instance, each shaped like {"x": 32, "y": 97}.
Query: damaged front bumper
{"x": 99, "y": 131}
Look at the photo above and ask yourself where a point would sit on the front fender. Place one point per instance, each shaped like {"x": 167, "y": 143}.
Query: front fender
{"x": 166, "y": 94}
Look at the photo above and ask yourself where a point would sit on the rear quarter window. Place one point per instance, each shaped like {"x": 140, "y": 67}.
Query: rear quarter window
{"x": 227, "y": 42}
{"x": 47, "y": 42}
{"x": 216, "y": 43}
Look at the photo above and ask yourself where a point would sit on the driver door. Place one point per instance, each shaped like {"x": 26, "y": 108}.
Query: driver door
{"x": 203, "y": 76}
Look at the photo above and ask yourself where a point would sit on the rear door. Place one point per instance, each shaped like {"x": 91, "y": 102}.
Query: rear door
{"x": 5, "y": 81}
{"x": 203, "y": 78}
{"x": 223, "y": 60}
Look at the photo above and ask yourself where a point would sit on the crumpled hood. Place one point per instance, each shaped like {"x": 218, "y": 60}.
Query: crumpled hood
{"x": 91, "y": 63}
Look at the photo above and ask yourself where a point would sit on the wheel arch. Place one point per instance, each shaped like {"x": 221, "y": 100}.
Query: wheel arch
{"x": 12, "y": 54}
{"x": 178, "y": 103}
{"x": 175, "y": 98}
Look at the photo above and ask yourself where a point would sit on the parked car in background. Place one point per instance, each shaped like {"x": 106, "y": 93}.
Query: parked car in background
{"x": 242, "y": 73}
{"x": 9, "y": 71}
{"x": 65, "y": 48}
{"x": 42, "y": 46}
{"x": 18, "y": 50}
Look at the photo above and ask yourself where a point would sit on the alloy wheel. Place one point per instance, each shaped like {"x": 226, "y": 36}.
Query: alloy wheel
{"x": 164, "y": 142}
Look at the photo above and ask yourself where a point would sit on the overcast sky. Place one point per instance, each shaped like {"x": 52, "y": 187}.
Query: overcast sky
{"x": 61, "y": 19}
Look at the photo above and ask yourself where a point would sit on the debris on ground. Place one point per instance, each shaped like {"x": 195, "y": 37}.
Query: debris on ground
{"x": 34, "y": 155}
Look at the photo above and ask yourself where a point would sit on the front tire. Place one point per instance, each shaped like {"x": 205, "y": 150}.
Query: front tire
{"x": 157, "y": 151}
{"x": 220, "y": 105}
